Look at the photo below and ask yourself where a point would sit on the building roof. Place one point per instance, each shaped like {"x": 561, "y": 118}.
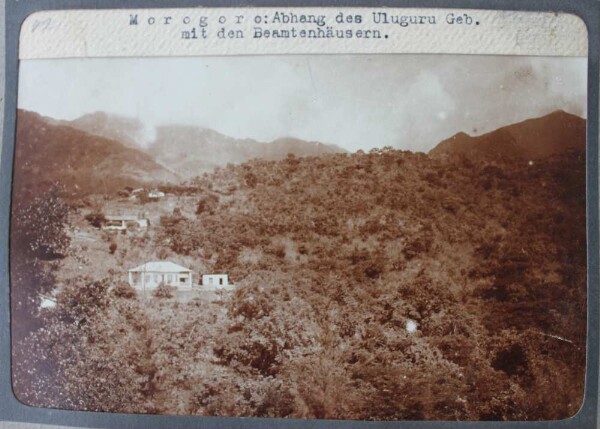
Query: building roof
{"x": 160, "y": 267}
{"x": 47, "y": 301}
{"x": 122, "y": 217}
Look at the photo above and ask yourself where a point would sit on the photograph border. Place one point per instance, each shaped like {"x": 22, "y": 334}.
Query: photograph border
{"x": 13, "y": 410}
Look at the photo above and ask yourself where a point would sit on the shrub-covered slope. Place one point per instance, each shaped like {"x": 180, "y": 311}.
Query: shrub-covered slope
{"x": 487, "y": 259}
{"x": 334, "y": 257}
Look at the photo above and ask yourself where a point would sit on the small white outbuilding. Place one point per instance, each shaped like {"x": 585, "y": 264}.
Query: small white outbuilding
{"x": 155, "y": 195}
{"x": 215, "y": 280}
{"x": 47, "y": 301}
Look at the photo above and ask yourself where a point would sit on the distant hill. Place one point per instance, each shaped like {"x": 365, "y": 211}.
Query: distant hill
{"x": 191, "y": 151}
{"x": 532, "y": 139}
{"x": 47, "y": 153}
{"x": 125, "y": 130}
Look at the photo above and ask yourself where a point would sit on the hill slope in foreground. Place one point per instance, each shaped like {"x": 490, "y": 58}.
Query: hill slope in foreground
{"x": 333, "y": 258}
{"x": 489, "y": 261}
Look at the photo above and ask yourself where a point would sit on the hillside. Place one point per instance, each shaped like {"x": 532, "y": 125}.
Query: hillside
{"x": 192, "y": 151}
{"x": 488, "y": 261}
{"x": 528, "y": 140}
{"x": 333, "y": 257}
{"x": 125, "y": 130}
{"x": 47, "y": 154}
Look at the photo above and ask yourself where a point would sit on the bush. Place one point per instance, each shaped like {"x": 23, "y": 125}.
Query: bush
{"x": 112, "y": 248}
{"x": 416, "y": 246}
{"x": 164, "y": 291}
{"x": 207, "y": 204}
{"x": 96, "y": 219}
{"x": 124, "y": 290}
{"x": 251, "y": 180}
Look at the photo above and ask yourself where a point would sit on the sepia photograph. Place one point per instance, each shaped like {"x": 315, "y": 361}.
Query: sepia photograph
{"x": 357, "y": 237}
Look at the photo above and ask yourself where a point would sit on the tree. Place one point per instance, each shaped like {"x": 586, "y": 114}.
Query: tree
{"x": 101, "y": 363}
{"x": 39, "y": 229}
{"x": 96, "y": 218}
{"x": 38, "y": 240}
{"x": 251, "y": 180}
{"x": 124, "y": 290}
{"x": 208, "y": 204}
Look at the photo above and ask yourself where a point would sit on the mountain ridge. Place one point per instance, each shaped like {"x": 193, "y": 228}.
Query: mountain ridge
{"x": 126, "y": 130}
{"x": 48, "y": 152}
{"x": 530, "y": 139}
{"x": 190, "y": 150}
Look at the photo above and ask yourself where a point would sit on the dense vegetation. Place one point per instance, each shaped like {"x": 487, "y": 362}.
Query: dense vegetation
{"x": 332, "y": 257}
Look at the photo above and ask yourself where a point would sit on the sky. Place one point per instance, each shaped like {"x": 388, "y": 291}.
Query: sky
{"x": 409, "y": 102}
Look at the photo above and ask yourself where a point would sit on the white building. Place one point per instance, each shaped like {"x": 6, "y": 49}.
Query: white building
{"x": 215, "y": 280}
{"x": 152, "y": 274}
{"x": 155, "y": 195}
{"x": 122, "y": 222}
{"x": 47, "y": 301}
